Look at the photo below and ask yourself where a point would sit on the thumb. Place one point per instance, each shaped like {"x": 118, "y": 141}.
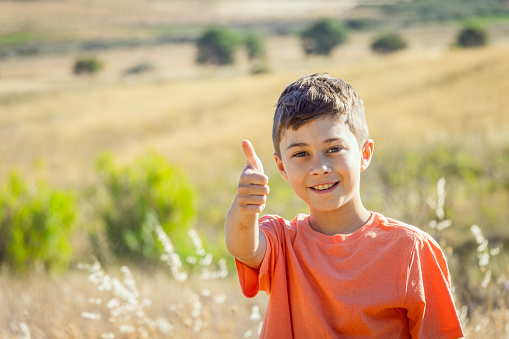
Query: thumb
{"x": 252, "y": 159}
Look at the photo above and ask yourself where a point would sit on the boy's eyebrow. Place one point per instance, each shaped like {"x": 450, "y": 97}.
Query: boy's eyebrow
{"x": 297, "y": 144}
{"x": 303, "y": 144}
{"x": 328, "y": 141}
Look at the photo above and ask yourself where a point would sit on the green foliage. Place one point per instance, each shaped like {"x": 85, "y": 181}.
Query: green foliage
{"x": 472, "y": 36}
{"x": 255, "y": 47}
{"x": 217, "y": 46}
{"x": 140, "y": 68}
{"x": 87, "y": 65}
{"x": 261, "y": 67}
{"x": 257, "y": 54}
{"x": 388, "y": 43}
{"x": 361, "y": 24}
{"x": 322, "y": 36}
{"x": 35, "y": 226}
{"x": 132, "y": 195}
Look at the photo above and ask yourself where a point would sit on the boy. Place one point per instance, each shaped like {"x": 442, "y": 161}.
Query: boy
{"x": 341, "y": 271}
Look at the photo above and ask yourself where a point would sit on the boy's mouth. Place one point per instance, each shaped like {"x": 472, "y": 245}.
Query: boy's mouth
{"x": 325, "y": 187}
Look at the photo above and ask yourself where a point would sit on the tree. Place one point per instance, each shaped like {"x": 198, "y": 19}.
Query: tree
{"x": 472, "y": 36}
{"x": 388, "y": 43}
{"x": 322, "y": 36}
{"x": 217, "y": 46}
{"x": 87, "y": 65}
{"x": 255, "y": 47}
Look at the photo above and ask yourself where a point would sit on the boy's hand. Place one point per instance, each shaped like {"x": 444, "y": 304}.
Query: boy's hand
{"x": 253, "y": 188}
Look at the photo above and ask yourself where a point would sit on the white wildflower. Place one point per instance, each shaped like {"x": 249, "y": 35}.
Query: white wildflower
{"x": 191, "y": 260}
{"x": 260, "y": 327}
{"x": 126, "y": 328}
{"x": 197, "y": 325}
{"x": 219, "y": 299}
{"x": 114, "y": 302}
{"x": 164, "y": 326}
{"x": 463, "y": 314}
{"x": 197, "y": 242}
{"x": 476, "y": 230}
{"x": 486, "y": 280}
{"x": 91, "y": 315}
{"x": 255, "y": 313}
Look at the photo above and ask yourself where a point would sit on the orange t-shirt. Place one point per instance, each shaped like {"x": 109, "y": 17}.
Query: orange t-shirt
{"x": 386, "y": 280}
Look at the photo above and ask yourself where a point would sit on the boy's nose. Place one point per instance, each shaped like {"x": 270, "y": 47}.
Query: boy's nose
{"x": 320, "y": 167}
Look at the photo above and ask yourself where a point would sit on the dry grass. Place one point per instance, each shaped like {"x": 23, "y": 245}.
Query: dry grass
{"x": 73, "y": 307}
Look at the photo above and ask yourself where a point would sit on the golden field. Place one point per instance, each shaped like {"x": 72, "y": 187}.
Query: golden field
{"x": 57, "y": 127}
{"x": 54, "y": 126}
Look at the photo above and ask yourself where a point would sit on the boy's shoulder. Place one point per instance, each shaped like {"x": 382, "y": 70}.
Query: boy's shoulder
{"x": 403, "y": 230}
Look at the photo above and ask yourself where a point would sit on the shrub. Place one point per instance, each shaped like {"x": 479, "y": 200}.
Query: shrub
{"x": 255, "y": 47}
{"x": 261, "y": 67}
{"x": 361, "y": 24}
{"x": 140, "y": 68}
{"x": 388, "y": 43}
{"x": 35, "y": 226}
{"x": 132, "y": 195}
{"x": 472, "y": 37}
{"x": 87, "y": 65}
{"x": 322, "y": 36}
{"x": 217, "y": 46}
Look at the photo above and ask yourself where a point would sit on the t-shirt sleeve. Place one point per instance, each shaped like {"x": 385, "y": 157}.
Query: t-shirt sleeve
{"x": 429, "y": 301}
{"x": 253, "y": 280}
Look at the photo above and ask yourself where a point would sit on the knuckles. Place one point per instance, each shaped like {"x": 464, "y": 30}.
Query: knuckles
{"x": 253, "y": 190}
{"x": 251, "y": 177}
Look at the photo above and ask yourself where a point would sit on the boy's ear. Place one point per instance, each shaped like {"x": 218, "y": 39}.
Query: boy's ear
{"x": 280, "y": 166}
{"x": 367, "y": 154}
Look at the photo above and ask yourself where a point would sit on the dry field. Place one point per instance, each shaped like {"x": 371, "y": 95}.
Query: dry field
{"x": 54, "y": 126}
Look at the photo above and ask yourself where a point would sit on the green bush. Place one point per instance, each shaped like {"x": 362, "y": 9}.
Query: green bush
{"x": 388, "y": 43}
{"x": 131, "y": 195}
{"x": 87, "y": 65}
{"x": 361, "y": 24}
{"x": 255, "y": 47}
{"x": 217, "y": 46}
{"x": 35, "y": 226}
{"x": 261, "y": 67}
{"x": 140, "y": 68}
{"x": 322, "y": 36}
{"x": 472, "y": 36}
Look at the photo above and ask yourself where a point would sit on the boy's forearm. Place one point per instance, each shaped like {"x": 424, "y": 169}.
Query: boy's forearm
{"x": 243, "y": 237}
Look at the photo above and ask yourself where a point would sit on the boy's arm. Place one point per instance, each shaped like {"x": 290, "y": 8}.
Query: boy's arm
{"x": 244, "y": 240}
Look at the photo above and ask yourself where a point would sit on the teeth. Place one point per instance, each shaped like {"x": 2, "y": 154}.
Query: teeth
{"x": 323, "y": 187}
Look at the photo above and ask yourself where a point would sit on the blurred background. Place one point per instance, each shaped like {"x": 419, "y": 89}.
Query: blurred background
{"x": 120, "y": 116}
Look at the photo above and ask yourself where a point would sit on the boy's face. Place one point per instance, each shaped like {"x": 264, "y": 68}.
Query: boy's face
{"x": 322, "y": 162}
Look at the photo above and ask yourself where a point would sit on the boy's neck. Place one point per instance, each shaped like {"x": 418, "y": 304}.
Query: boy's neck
{"x": 344, "y": 220}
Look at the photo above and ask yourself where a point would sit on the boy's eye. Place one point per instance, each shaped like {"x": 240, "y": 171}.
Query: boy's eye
{"x": 299, "y": 154}
{"x": 334, "y": 149}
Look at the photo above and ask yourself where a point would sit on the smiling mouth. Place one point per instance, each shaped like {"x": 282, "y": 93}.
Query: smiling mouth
{"x": 324, "y": 187}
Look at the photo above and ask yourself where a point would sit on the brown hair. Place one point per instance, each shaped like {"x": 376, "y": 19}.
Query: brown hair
{"x": 314, "y": 96}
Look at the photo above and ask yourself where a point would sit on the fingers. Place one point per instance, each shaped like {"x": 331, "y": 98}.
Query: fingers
{"x": 252, "y": 191}
{"x": 252, "y": 159}
{"x": 253, "y": 184}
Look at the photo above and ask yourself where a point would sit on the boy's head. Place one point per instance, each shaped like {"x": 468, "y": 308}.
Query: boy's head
{"x": 315, "y": 96}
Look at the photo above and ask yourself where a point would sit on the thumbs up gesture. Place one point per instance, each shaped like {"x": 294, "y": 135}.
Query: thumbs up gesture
{"x": 253, "y": 188}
